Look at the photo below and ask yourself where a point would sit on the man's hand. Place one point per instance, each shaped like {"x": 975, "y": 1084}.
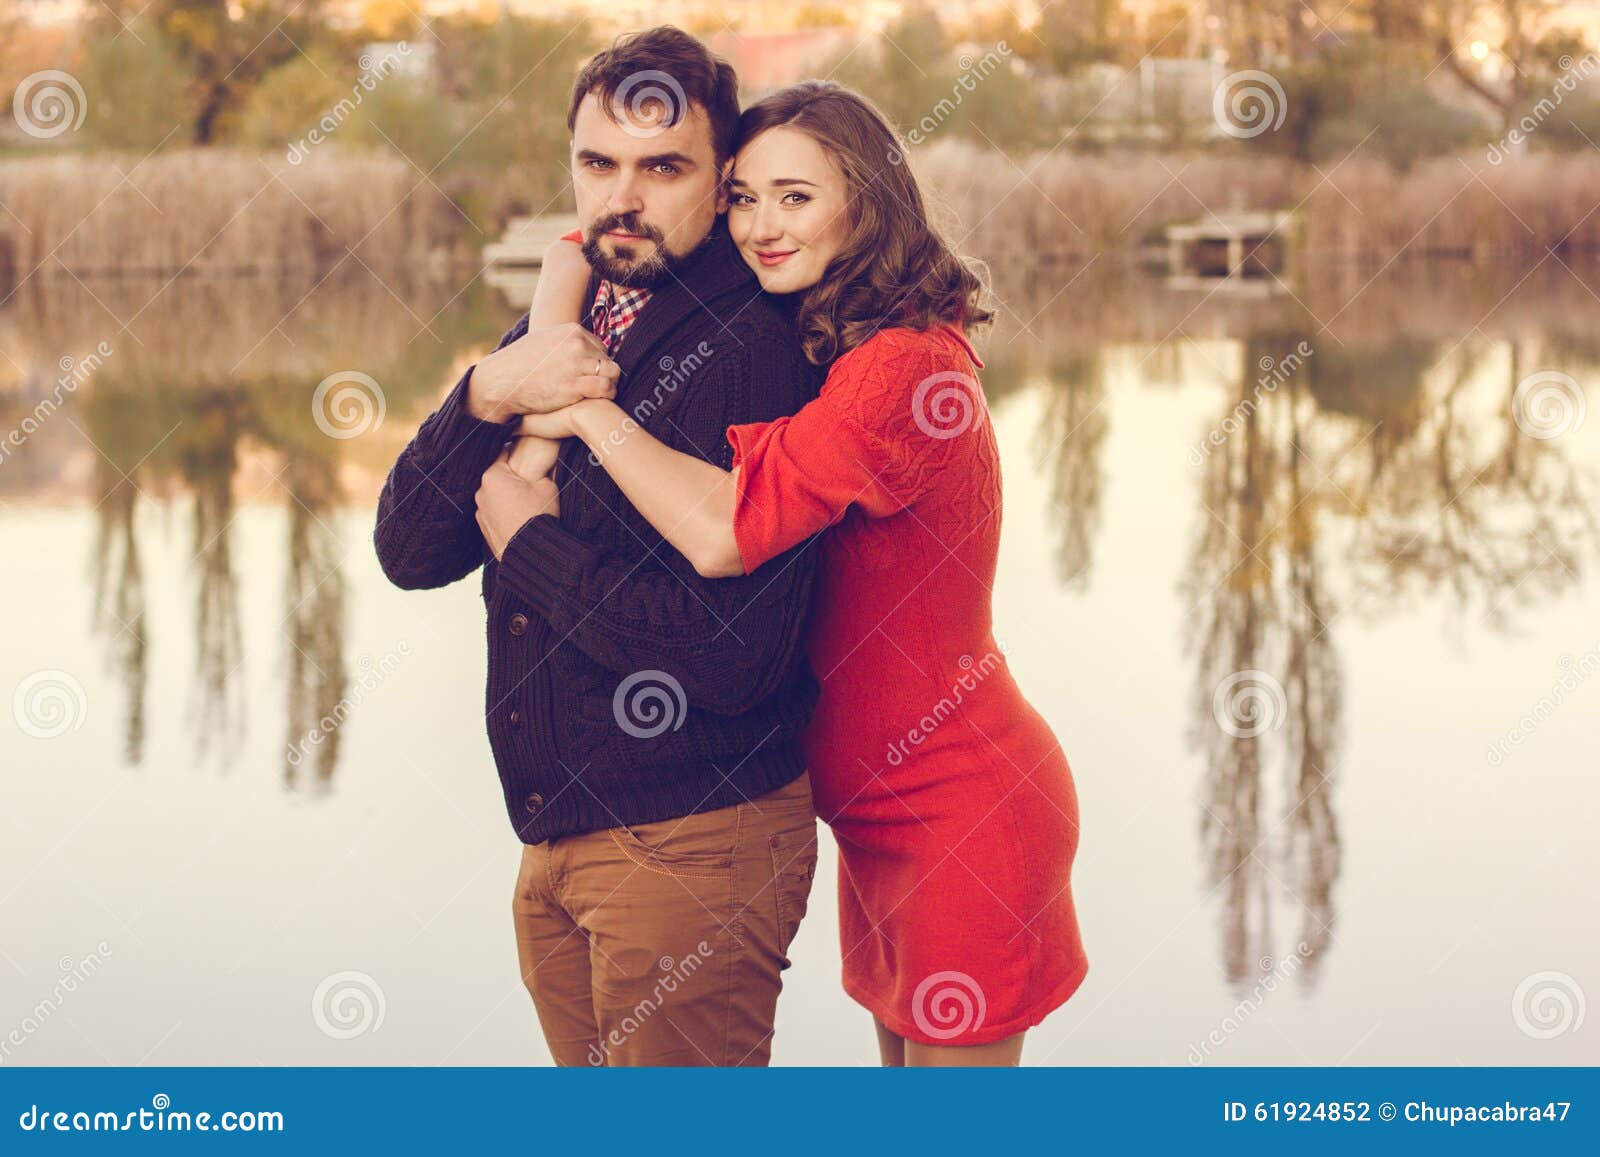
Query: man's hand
{"x": 542, "y": 370}
{"x": 507, "y": 501}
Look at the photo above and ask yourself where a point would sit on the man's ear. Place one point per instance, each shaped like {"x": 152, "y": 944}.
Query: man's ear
{"x": 723, "y": 187}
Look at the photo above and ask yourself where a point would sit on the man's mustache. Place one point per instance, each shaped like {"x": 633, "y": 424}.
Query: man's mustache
{"x": 625, "y": 223}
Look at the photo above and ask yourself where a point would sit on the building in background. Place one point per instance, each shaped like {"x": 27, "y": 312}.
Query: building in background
{"x": 767, "y": 61}
{"x": 48, "y": 12}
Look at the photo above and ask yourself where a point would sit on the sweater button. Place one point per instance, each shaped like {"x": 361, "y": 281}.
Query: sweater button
{"x": 519, "y": 624}
{"x": 516, "y": 718}
{"x": 533, "y": 803}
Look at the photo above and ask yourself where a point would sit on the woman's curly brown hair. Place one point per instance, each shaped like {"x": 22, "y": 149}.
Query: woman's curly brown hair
{"x": 893, "y": 268}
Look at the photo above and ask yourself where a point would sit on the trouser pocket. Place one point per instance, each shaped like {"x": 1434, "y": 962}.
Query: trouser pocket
{"x": 794, "y": 868}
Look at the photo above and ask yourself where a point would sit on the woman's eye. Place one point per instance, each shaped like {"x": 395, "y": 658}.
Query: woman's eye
{"x": 739, "y": 199}
{"x": 802, "y": 199}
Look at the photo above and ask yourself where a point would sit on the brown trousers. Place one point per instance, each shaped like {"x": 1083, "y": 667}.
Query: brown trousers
{"x": 662, "y": 943}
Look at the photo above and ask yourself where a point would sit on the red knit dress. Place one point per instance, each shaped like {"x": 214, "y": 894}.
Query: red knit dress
{"x": 951, "y": 801}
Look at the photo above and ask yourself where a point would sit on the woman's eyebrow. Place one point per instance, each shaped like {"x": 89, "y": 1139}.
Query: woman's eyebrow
{"x": 780, "y": 182}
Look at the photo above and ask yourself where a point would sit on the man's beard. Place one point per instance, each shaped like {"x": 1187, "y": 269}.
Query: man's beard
{"x": 625, "y": 268}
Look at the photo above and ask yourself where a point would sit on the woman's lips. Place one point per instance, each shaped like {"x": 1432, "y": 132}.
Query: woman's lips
{"x": 774, "y": 258}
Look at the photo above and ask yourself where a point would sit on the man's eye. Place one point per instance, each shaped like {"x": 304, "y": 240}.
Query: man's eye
{"x": 667, "y": 168}
{"x": 594, "y": 164}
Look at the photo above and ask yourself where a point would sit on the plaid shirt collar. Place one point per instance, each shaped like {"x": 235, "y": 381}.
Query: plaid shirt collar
{"x": 614, "y": 311}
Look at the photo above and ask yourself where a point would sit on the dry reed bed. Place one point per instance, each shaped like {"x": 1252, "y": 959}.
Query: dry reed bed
{"x": 1068, "y": 207}
{"x": 218, "y": 210}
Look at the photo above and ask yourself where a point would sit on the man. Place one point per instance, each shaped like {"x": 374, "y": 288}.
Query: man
{"x": 645, "y": 721}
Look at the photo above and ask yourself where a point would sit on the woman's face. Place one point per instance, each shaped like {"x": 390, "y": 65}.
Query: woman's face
{"x": 789, "y": 209}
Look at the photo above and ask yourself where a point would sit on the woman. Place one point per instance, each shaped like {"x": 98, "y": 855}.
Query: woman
{"x": 951, "y": 801}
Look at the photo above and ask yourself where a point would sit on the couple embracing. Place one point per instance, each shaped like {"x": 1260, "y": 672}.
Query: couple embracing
{"x": 736, "y": 499}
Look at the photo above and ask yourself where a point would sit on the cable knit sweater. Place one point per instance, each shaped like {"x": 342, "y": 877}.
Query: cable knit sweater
{"x": 622, "y": 686}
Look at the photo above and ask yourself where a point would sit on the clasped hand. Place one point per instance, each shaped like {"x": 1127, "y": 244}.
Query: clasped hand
{"x": 516, "y": 489}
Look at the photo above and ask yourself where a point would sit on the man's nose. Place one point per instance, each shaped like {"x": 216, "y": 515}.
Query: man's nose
{"x": 625, "y": 196}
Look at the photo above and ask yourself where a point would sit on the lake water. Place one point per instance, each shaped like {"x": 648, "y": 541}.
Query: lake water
{"x": 1303, "y": 583}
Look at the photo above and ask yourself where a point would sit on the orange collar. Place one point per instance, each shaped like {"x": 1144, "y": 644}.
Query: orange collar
{"x": 961, "y": 338}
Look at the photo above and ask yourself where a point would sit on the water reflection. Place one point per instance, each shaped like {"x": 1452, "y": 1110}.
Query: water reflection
{"x": 1391, "y": 441}
{"x": 1385, "y": 469}
{"x": 1258, "y": 589}
{"x": 201, "y": 409}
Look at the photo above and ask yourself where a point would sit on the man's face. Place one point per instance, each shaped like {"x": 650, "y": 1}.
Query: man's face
{"x": 647, "y": 193}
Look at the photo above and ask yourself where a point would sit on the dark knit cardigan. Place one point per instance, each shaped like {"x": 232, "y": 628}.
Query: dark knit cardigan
{"x": 622, "y": 686}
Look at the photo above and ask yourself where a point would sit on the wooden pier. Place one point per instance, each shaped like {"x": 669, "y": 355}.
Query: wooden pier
{"x": 526, "y": 239}
{"x": 1230, "y": 245}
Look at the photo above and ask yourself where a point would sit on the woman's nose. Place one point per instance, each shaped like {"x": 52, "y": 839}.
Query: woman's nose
{"x": 765, "y": 227}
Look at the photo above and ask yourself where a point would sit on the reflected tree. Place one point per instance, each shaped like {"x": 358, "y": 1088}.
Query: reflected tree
{"x": 1070, "y": 445}
{"x": 1472, "y": 503}
{"x": 122, "y": 428}
{"x": 207, "y": 456}
{"x": 119, "y": 604}
{"x": 314, "y": 586}
{"x": 1267, "y": 686}
{"x": 182, "y": 413}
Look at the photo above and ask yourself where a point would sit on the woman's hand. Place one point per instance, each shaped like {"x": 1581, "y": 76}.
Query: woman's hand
{"x": 566, "y": 257}
{"x": 532, "y": 457}
{"x": 559, "y": 295}
{"x": 556, "y": 424}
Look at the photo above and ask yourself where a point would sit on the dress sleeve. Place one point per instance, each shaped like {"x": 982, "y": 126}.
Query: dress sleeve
{"x": 891, "y": 416}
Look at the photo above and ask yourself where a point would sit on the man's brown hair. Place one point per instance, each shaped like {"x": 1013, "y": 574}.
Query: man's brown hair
{"x": 659, "y": 72}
